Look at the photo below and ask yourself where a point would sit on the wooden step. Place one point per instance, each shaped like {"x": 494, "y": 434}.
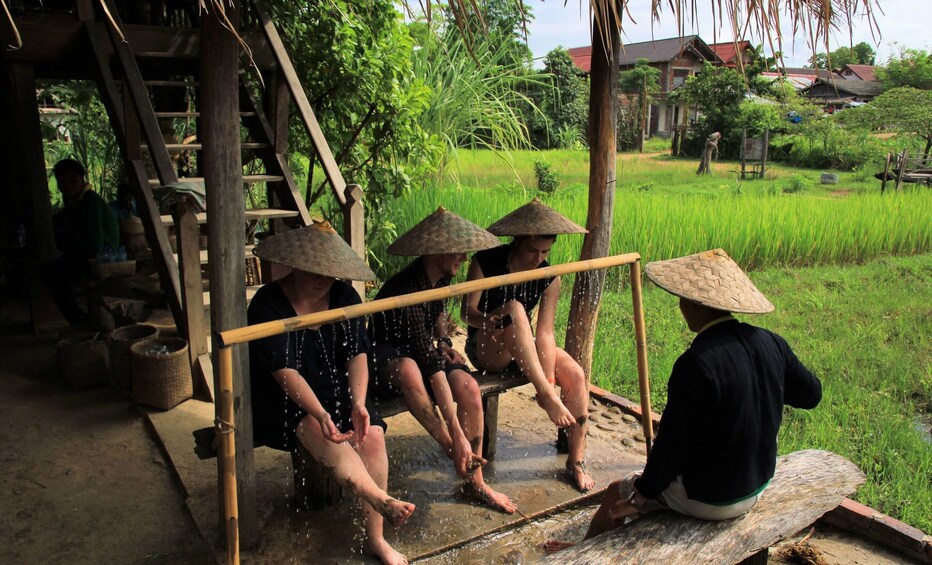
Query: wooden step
{"x": 248, "y": 179}
{"x": 170, "y": 83}
{"x": 195, "y": 114}
{"x": 203, "y": 254}
{"x": 250, "y": 293}
{"x": 179, "y": 147}
{"x": 251, "y": 214}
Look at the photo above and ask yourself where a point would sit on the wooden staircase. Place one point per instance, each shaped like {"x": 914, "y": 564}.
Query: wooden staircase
{"x": 126, "y": 84}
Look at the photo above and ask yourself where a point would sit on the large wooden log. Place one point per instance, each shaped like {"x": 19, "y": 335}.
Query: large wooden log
{"x": 223, "y": 175}
{"x": 806, "y": 485}
{"x": 587, "y": 290}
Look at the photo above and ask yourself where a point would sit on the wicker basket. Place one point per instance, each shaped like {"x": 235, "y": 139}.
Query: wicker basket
{"x": 83, "y": 361}
{"x": 161, "y": 380}
{"x": 121, "y": 339}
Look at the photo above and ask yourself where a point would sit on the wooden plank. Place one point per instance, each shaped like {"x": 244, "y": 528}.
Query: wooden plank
{"x": 328, "y": 163}
{"x": 899, "y": 175}
{"x": 221, "y": 164}
{"x": 247, "y": 179}
{"x": 203, "y": 255}
{"x": 490, "y": 425}
{"x": 354, "y": 228}
{"x": 249, "y": 215}
{"x": 189, "y": 265}
{"x": 805, "y": 486}
{"x": 205, "y": 372}
{"x": 249, "y": 292}
{"x": 864, "y": 521}
{"x": 179, "y": 147}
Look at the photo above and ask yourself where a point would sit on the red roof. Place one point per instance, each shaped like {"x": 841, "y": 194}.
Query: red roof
{"x": 582, "y": 57}
{"x": 863, "y": 72}
{"x": 726, "y": 51}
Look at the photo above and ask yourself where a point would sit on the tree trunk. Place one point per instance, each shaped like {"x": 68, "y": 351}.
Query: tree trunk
{"x": 223, "y": 176}
{"x": 587, "y": 290}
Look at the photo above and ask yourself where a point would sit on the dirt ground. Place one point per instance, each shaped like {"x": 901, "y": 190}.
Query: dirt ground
{"x": 82, "y": 480}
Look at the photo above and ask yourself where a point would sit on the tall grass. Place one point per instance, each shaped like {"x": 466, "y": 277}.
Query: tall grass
{"x": 756, "y": 229}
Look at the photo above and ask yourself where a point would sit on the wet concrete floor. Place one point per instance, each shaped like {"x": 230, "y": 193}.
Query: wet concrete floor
{"x": 527, "y": 468}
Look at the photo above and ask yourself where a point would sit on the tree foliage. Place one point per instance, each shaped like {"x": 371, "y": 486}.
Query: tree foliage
{"x": 564, "y": 104}
{"x": 912, "y": 67}
{"x": 860, "y": 54}
{"x": 904, "y": 109}
{"x": 718, "y": 93}
{"x": 642, "y": 81}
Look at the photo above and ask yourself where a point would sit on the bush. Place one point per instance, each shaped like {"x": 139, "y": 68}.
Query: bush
{"x": 798, "y": 183}
{"x": 546, "y": 179}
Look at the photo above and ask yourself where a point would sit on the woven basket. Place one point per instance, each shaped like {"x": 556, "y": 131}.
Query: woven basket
{"x": 121, "y": 339}
{"x": 161, "y": 380}
{"x": 84, "y": 361}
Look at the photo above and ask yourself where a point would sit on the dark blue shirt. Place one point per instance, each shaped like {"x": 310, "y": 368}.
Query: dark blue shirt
{"x": 724, "y": 408}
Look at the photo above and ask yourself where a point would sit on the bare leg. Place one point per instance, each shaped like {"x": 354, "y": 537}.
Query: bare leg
{"x": 602, "y": 521}
{"x": 469, "y": 411}
{"x": 572, "y": 381}
{"x": 518, "y": 342}
{"x": 405, "y": 375}
{"x": 350, "y": 472}
{"x": 372, "y": 453}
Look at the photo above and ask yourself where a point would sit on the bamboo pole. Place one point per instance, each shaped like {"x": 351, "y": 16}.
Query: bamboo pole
{"x": 640, "y": 336}
{"x": 276, "y": 327}
{"x": 228, "y": 454}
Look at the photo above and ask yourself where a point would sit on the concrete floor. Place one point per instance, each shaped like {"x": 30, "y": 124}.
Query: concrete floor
{"x": 526, "y": 467}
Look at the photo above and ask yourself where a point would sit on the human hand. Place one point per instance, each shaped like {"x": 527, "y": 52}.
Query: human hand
{"x": 360, "y": 417}
{"x": 452, "y": 356}
{"x": 330, "y": 430}
{"x": 624, "y": 508}
{"x": 462, "y": 456}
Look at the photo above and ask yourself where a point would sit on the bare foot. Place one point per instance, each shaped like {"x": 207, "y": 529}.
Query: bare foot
{"x": 557, "y": 412}
{"x": 395, "y": 511}
{"x": 486, "y": 495}
{"x": 578, "y": 474}
{"x": 384, "y": 552}
{"x": 553, "y": 546}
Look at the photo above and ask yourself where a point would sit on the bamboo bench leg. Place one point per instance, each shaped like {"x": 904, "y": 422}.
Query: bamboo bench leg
{"x": 490, "y": 433}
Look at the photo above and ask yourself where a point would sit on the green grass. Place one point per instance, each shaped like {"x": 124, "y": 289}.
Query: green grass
{"x": 863, "y": 330}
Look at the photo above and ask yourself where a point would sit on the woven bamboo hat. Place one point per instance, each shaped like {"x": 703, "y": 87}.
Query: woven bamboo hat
{"x": 317, "y": 249}
{"x": 712, "y": 279}
{"x": 443, "y": 232}
{"x": 535, "y": 218}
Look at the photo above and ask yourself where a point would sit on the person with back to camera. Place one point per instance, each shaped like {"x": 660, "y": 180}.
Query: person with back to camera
{"x": 716, "y": 446}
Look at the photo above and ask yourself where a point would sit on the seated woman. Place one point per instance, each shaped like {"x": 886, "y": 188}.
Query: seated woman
{"x": 500, "y": 333}
{"x": 310, "y": 385}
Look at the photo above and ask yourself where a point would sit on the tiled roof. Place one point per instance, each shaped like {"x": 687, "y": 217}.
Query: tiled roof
{"x": 854, "y": 87}
{"x": 863, "y": 72}
{"x": 659, "y": 51}
{"x": 726, "y": 51}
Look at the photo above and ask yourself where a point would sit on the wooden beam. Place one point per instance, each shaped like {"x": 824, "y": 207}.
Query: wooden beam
{"x": 354, "y": 228}
{"x": 223, "y": 175}
{"x": 195, "y": 329}
{"x": 329, "y": 164}
{"x": 587, "y": 289}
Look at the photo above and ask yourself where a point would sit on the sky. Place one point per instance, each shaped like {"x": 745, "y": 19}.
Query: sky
{"x": 905, "y": 22}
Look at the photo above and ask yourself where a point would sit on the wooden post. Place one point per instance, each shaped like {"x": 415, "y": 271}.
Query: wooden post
{"x": 227, "y": 459}
{"x": 899, "y": 174}
{"x": 223, "y": 176}
{"x": 490, "y": 425}
{"x": 192, "y": 295}
{"x": 640, "y": 337}
{"x": 587, "y": 290}
{"x": 886, "y": 171}
{"x": 763, "y": 163}
{"x": 354, "y": 228}
{"x": 744, "y": 145}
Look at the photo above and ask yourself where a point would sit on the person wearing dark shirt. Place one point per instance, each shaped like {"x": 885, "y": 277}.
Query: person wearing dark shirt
{"x": 413, "y": 356}
{"x": 716, "y": 445}
{"x": 500, "y": 331}
{"x": 310, "y": 386}
{"x": 85, "y": 227}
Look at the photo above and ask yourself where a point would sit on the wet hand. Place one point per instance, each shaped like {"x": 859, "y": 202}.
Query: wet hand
{"x": 330, "y": 430}
{"x": 360, "y": 418}
{"x": 453, "y": 356}
{"x": 462, "y": 457}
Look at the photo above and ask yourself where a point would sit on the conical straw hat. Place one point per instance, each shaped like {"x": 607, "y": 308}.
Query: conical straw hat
{"x": 535, "y": 218}
{"x": 315, "y": 249}
{"x": 712, "y": 279}
{"x": 443, "y": 232}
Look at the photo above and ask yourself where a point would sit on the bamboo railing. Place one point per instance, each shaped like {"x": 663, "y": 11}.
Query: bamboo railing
{"x": 232, "y": 337}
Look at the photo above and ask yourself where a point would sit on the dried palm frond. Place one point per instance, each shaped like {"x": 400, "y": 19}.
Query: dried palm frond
{"x": 17, "y": 39}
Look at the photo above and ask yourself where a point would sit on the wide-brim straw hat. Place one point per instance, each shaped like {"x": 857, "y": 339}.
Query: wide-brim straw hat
{"x": 443, "y": 232}
{"x": 535, "y": 218}
{"x": 317, "y": 249}
{"x": 712, "y": 279}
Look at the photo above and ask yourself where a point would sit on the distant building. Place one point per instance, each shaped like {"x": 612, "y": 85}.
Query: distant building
{"x": 858, "y": 72}
{"x": 728, "y": 52}
{"x": 840, "y": 93}
{"x": 678, "y": 58}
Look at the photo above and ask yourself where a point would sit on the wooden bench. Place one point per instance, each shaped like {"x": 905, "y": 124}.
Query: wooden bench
{"x": 806, "y": 485}
{"x": 314, "y": 487}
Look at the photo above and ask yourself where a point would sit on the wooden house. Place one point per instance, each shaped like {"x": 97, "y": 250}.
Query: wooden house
{"x": 837, "y": 94}
{"x": 731, "y": 52}
{"x": 677, "y": 58}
